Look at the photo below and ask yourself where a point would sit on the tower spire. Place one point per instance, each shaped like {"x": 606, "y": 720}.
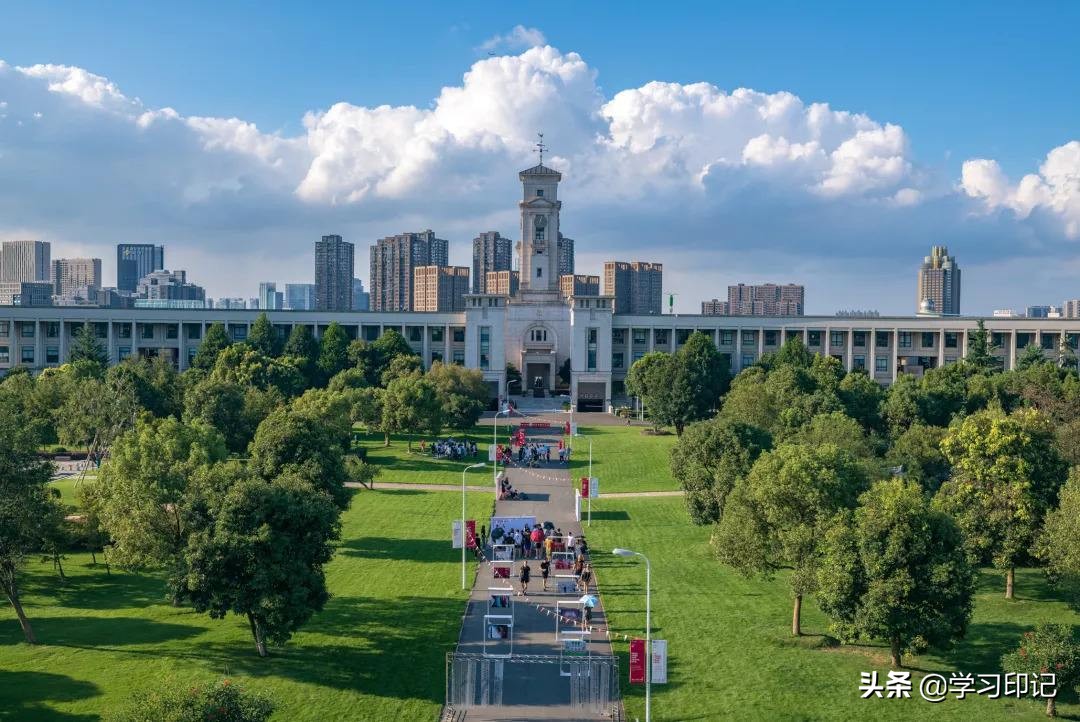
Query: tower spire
{"x": 540, "y": 147}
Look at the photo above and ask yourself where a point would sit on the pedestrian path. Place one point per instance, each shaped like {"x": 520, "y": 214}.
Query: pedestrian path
{"x": 534, "y": 691}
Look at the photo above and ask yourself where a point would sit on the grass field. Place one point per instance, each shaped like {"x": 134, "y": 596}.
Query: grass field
{"x": 398, "y": 464}
{"x": 624, "y": 459}
{"x": 731, "y": 655}
{"x": 376, "y": 652}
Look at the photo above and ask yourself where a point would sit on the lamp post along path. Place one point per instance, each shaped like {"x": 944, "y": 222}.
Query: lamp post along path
{"x": 648, "y": 625}
{"x": 464, "y": 541}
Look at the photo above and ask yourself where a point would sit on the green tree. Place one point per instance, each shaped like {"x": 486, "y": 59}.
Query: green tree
{"x": 85, "y": 346}
{"x": 980, "y": 353}
{"x": 901, "y": 405}
{"x": 896, "y": 570}
{"x": 463, "y": 394}
{"x": 943, "y": 394}
{"x": 862, "y": 398}
{"x": 647, "y": 379}
{"x": 709, "y": 458}
{"x": 917, "y": 452}
{"x": 221, "y": 405}
{"x": 1049, "y": 648}
{"x": 401, "y": 365}
{"x": 141, "y": 494}
{"x": 410, "y": 404}
{"x": 793, "y": 353}
{"x": 701, "y": 378}
{"x": 838, "y": 428}
{"x": 155, "y": 383}
{"x": 1006, "y": 477}
{"x": 215, "y": 341}
{"x": 333, "y": 351}
{"x": 299, "y": 442}
{"x": 1059, "y": 542}
{"x": 263, "y": 337}
{"x": 173, "y": 701}
{"x": 26, "y": 506}
{"x": 303, "y": 349}
{"x": 1032, "y": 356}
{"x": 98, "y": 411}
{"x": 351, "y": 378}
{"x": 243, "y": 365}
{"x": 777, "y": 515}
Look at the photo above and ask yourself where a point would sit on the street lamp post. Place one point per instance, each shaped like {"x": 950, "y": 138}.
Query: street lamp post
{"x": 463, "y": 540}
{"x": 648, "y": 624}
{"x": 495, "y": 447}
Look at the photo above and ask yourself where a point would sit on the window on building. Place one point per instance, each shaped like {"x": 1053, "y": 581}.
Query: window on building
{"x": 929, "y": 339}
{"x": 5, "y": 328}
{"x": 814, "y": 338}
{"x": 749, "y": 338}
{"x": 952, "y": 339}
{"x": 52, "y": 354}
{"x": 459, "y": 357}
{"x": 416, "y": 334}
{"x": 1023, "y": 340}
{"x": 836, "y": 338}
{"x": 859, "y": 361}
{"x": 146, "y": 331}
{"x": 436, "y": 356}
{"x": 617, "y": 360}
{"x": 1073, "y": 340}
{"x": 618, "y": 336}
{"x": 52, "y": 329}
{"x": 590, "y": 362}
{"x": 681, "y": 335}
{"x": 28, "y": 354}
{"x": 171, "y": 331}
{"x": 950, "y": 360}
{"x": 124, "y": 330}
{"x": 485, "y": 347}
{"x": 997, "y": 339}
{"x": 770, "y": 338}
{"x": 1049, "y": 341}
{"x": 637, "y": 356}
{"x": 748, "y": 360}
{"x": 882, "y": 340}
{"x": 123, "y": 352}
{"x": 539, "y": 237}
{"x": 27, "y": 329}
{"x": 727, "y": 338}
{"x": 194, "y": 331}
{"x": 881, "y": 364}
{"x": 371, "y": 333}
{"x": 539, "y": 192}
{"x": 5, "y": 355}
{"x": 101, "y": 330}
{"x": 660, "y": 336}
{"x": 639, "y": 336}
{"x": 539, "y": 272}
{"x": 459, "y": 335}
{"x": 239, "y": 332}
{"x": 538, "y": 335}
{"x": 858, "y": 338}
{"x": 905, "y": 339}
{"x": 436, "y": 334}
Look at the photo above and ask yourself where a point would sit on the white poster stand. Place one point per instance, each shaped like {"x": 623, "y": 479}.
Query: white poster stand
{"x": 502, "y": 552}
{"x": 562, "y": 561}
{"x": 577, "y": 507}
{"x": 659, "y": 662}
{"x": 566, "y": 584}
{"x": 457, "y": 533}
{"x": 568, "y": 618}
{"x": 501, "y": 601}
{"x": 499, "y": 628}
{"x": 502, "y": 570}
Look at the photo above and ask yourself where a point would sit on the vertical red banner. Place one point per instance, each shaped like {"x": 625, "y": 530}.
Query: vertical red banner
{"x": 566, "y": 428}
{"x": 637, "y": 661}
{"x": 470, "y": 533}
{"x": 584, "y": 487}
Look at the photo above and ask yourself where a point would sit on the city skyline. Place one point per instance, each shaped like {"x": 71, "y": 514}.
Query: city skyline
{"x": 739, "y": 177}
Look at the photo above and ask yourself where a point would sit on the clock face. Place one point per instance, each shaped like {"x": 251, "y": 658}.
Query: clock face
{"x": 541, "y": 221}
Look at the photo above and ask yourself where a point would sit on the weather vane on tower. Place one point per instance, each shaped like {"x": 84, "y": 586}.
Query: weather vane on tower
{"x": 540, "y": 147}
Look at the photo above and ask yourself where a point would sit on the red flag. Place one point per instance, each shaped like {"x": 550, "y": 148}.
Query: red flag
{"x": 470, "y": 533}
{"x": 637, "y": 661}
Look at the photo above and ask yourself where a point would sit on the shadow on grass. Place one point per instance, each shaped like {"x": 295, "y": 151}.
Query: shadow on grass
{"x": 610, "y": 515}
{"x": 98, "y": 590}
{"x": 106, "y": 632}
{"x": 413, "y": 550}
{"x": 25, "y": 694}
{"x": 983, "y": 645}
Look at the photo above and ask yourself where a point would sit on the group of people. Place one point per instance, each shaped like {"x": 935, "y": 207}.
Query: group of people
{"x": 450, "y": 449}
{"x": 506, "y": 491}
{"x": 534, "y": 454}
{"x": 582, "y": 574}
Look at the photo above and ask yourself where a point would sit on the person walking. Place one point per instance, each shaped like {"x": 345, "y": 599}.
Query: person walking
{"x": 526, "y": 571}
{"x": 517, "y": 543}
{"x": 526, "y": 546}
{"x": 570, "y": 542}
{"x": 579, "y": 567}
{"x": 483, "y": 535}
{"x": 545, "y": 570}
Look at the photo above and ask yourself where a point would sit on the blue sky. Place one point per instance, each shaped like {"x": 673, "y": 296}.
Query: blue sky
{"x": 936, "y": 86}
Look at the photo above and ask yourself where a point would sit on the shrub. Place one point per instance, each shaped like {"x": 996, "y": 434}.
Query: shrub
{"x": 220, "y": 702}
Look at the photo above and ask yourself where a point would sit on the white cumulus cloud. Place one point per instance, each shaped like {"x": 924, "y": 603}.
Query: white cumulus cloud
{"x": 519, "y": 38}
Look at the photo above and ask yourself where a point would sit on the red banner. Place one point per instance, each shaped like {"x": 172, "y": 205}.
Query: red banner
{"x": 566, "y": 428}
{"x": 470, "y": 533}
{"x": 584, "y": 487}
{"x": 637, "y": 661}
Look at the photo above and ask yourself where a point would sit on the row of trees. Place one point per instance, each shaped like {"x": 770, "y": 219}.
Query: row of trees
{"x": 231, "y": 476}
{"x": 883, "y": 502}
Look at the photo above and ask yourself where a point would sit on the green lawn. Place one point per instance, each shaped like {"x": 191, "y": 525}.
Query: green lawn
{"x": 730, "y": 651}
{"x": 624, "y": 459}
{"x": 398, "y": 464}
{"x": 69, "y": 496}
{"x": 375, "y": 653}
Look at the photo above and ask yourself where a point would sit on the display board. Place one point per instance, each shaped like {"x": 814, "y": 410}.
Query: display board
{"x": 566, "y": 584}
{"x": 498, "y": 635}
{"x": 502, "y": 552}
{"x": 509, "y": 523}
{"x": 562, "y": 561}
{"x": 568, "y": 618}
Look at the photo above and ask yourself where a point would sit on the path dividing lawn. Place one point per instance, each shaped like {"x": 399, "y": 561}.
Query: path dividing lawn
{"x": 731, "y": 655}
{"x": 624, "y": 458}
{"x": 376, "y": 652}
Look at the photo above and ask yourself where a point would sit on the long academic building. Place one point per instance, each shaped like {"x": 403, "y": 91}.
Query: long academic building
{"x": 574, "y": 345}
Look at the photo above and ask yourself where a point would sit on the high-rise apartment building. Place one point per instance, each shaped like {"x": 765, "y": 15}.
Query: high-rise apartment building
{"x": 230, "y": 303}
{"x": 169, "y": 286}
{"x": 939, "y": 284}
{"x": 637, "y": 286}
{"x": 25, "y": 293}
{"x": 361, "y": 299}
{"x": 71, "y": 275}
{"x": 715, "y": 307}
{"x": 1071, "y": 308}
{"x": 393, "y": 260}
{"x": 564, "y": 248}
{"x": 503, "y": 283}
{"x": 333, "y": 274}
{"x": 579, "y": 285}
{"x": 440, "y": 288}
{"x": 490, "y": 252}
{"x": 25, "y": 261}
{"x": 134, "y": 261}
{"x": 270, "y": 298}
{"x": 299, "y": 296}
{"x": 765, "y": 299}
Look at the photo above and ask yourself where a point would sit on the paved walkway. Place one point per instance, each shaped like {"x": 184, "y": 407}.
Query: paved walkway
{"x": 532, "y": 691}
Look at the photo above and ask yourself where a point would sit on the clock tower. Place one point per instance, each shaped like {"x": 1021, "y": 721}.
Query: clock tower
{"x": 540, "y": 206}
